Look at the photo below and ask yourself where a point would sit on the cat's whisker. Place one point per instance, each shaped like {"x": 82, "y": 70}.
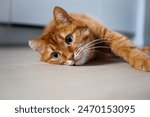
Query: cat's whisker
{"x": 90, "y": 44}
{"x": 96, "y": 47}
{"x": 78, "y": 52}
{"x": 94, "y": 44}
{"x": 94, "y": 41}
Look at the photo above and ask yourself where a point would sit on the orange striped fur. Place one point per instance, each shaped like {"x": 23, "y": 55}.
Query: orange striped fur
{"x": 73, "y": 39}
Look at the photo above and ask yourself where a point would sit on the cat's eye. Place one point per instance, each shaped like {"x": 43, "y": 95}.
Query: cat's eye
{"x": 69, "y": 39}
{"x": 55, "y": 55}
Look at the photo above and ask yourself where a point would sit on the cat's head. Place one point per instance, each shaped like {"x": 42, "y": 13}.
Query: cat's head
{"x": 66, "y": 42}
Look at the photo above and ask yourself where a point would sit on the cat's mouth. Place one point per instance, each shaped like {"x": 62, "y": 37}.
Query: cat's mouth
{"x": 81, "y": 59}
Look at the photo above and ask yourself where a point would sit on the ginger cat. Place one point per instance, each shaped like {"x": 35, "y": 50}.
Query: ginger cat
{"x": 73, "y": 39}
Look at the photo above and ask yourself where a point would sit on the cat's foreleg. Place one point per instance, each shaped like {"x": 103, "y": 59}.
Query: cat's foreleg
{"x": 121, "y": 46}
{"x": 146, "y": 50}
{"x": 124, "y": 48}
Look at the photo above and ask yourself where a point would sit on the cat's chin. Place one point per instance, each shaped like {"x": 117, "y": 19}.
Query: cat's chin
{"x": 83, "y": 58}
{"x": 79, "y": 60}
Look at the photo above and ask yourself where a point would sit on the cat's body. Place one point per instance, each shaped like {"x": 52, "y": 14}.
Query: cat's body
{"x": 73, "y": 40}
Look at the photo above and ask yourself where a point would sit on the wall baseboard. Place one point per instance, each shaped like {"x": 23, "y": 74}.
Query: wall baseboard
{"x": 18, "y": 34}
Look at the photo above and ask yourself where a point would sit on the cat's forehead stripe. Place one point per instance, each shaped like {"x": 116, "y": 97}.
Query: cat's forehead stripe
{"x": 77, "y": 29}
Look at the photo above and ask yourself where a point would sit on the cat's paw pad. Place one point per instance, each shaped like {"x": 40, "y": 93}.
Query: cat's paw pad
{"x": 142, "y": 64}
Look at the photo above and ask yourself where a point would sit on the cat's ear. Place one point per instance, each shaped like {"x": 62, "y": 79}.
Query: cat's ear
{"x": 61, "y": 16}
{"x": 37, "y": 45}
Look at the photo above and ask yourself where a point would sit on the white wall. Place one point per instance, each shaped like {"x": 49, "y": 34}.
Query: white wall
{"x": 39, "y": 12}
{"x": 147, "y": 24}
{"x": 4, "y": 11}
{"x": 32, "y": 12}
{"x": 116, "y": 14}
{"x": 120, "y": 15}
{"x": 140, "y": 22}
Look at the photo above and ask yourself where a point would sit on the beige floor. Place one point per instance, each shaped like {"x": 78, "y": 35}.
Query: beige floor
{"x": 23, "y": 76}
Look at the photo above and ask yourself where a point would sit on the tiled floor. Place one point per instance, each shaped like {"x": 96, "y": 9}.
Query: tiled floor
{"x": 23, "y": 76}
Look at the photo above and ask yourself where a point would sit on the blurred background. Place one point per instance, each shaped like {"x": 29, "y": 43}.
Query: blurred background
{"x": 21, "y": 20}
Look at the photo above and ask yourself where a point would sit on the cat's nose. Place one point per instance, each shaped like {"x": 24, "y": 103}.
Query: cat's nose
{"x": 70, "y": 62}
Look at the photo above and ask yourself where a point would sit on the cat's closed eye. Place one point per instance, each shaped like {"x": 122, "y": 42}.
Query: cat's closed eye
{"x": 69, "y": 39}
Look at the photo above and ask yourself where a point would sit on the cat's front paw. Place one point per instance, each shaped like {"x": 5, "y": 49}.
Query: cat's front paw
{"x": 142, "y": 64}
